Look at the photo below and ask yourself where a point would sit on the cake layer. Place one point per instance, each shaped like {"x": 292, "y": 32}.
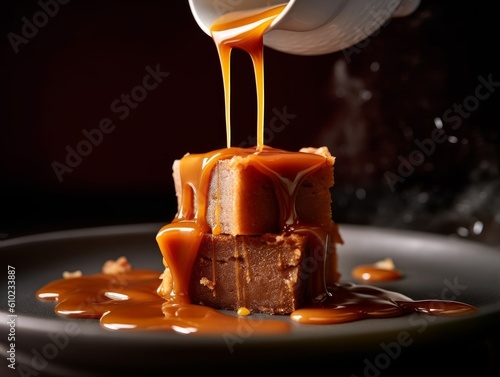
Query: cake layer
{"x": 254, "y": 194}
{"x": 272, "y": 273}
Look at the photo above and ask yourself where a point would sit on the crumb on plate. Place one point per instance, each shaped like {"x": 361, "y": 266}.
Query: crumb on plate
{"x": 113, "y": 267}
{"x": 72, "y": 274}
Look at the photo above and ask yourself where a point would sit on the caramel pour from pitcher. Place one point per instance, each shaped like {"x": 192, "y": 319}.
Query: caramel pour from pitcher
{"x": 129, "y": 300}
{"x": 245, "y": 31}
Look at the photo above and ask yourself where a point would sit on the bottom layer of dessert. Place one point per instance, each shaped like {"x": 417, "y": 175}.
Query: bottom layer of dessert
{"x": 273, "y": 273}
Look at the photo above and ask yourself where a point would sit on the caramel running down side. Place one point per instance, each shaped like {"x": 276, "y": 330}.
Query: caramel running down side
{"x": 216, "y": 210}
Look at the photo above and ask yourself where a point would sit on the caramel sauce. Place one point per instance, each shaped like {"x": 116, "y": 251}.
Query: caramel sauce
{"x": 350, "y": 302}
{"x": 130, "y": 300}
{"x": 373, "y": 273}
{"x": 383, "y": 270}
{"x": 244, "y": 30}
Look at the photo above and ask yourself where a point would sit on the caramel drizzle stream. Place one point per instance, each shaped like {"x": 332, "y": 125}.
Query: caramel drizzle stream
{"x": 245, "y": 31}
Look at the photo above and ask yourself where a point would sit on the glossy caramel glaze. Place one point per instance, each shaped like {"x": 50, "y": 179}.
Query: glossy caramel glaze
{"x": 368, "y": 272}
{"x": 244, "y": 30}
{"x": 351, "y": 302}
{"x": 129, "y": 301}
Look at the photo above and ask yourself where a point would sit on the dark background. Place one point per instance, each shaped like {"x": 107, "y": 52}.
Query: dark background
{"x": 369, "y": 108}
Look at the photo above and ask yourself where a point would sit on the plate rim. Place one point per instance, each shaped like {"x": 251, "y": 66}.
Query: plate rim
{"x": 148, "y": 227}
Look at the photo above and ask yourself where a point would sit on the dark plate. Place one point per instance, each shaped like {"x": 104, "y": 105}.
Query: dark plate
{"x": 435, "y": 267}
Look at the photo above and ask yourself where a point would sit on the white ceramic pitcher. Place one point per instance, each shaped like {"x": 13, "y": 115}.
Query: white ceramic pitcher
{"x": 311, "y": 27}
